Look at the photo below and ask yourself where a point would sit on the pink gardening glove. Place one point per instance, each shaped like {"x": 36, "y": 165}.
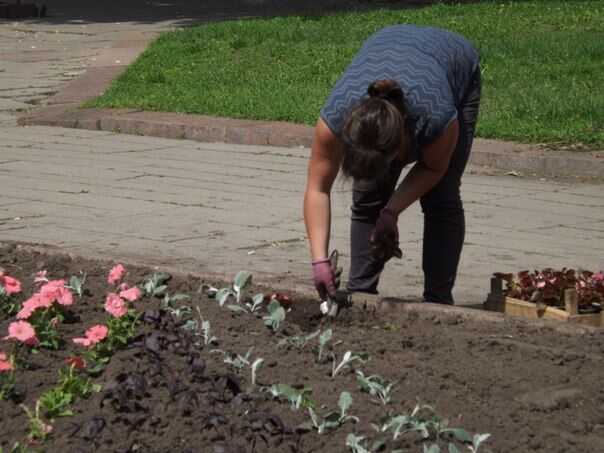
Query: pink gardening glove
{"x": 325, "y": 279}
{"x": 384, "y": 239}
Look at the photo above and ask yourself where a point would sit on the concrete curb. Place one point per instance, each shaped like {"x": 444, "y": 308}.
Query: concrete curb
{"x": 62, "y": 111}
{"x": 356, "y": 301}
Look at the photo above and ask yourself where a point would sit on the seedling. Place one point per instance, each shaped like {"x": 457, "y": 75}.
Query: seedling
{"x": 346, "y": 361}
{"x": 359, "y": 444}
{"x": 297, "y": 399}
{"x": 256, "y": 368}
{"x": 429, "y": 427}
{"x": 154, "y": 286}
{"x": 276, "y": 315}
{"x": 235, "y": 360}
{"x": 76, "y": 284}
{"x": 376, "y": 385}
{"x": 299, "y": 342}
{"x": 323, "y": 339}
{"x": 333, "y": 419}
{"x": 256, "y": 303}
{"x": 242, "y": 280}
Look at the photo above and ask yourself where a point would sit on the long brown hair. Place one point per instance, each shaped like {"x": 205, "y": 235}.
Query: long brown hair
{"x": 373, "y": 131}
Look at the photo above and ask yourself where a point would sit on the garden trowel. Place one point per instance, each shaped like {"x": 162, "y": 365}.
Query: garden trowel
{"x": 329, "y": 306}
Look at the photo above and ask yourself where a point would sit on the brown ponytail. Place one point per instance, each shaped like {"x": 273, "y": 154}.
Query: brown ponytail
{"x": 373, "y": 131}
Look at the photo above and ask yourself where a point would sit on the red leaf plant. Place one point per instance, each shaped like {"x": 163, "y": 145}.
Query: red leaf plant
{"x": 548, "y": 285}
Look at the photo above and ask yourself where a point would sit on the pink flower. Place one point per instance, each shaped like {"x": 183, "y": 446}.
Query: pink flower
{"x": 11, "y": 285}
{"x": 122, "y": 287}
{"x": 22, "y": 331}
{"x": 116, "y": 274}
{"x": 64, "y": 296}
{"x": 5, "y": 365}
{"x": 115, "y": 305}
{"x": 32, "y": 304}
{"x": 540, "y": 284}
{"x": 51, "y": 289}
{"x": 45, "y": 428}
{"x": 54, "y": 322}
{"x": 131, "y": 294}
{"x": 598, "y": 276}
{"x": 93, "y": 336}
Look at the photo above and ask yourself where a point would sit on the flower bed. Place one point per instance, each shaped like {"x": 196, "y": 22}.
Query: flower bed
{"x": 566, "y": 295}
{"x": 227, "y": 369}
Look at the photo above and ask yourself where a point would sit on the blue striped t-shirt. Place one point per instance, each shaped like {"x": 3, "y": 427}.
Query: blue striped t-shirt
{"x": 432, "y": 66}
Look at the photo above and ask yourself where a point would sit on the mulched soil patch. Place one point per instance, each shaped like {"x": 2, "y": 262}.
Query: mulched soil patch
{"x": 532, "y": 388}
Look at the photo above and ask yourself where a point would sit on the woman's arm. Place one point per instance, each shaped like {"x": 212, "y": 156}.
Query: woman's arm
{"x": 323, "y": 168}
{"x": 427, "y": 172}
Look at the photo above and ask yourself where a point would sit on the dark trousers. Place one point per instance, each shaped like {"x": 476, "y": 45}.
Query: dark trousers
{"x": 444, "y": 223}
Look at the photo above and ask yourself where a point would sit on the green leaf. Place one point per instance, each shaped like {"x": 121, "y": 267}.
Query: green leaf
{"x": 432, "y": 449}
{"x": 305, "y": 427}
{"x": 345, "y": 402}
{"x": 332, "y": 417}
{"x": 325, "y": 337}
{"x": 237, "y": 309}
{"x": 461, "y": 434}
{"x": 242, "y": 280}
{"x": 453, "y": 448}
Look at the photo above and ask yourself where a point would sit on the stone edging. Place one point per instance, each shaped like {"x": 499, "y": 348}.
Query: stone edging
{"x": 62, "y": 111}
{"x": 356, "y": 301}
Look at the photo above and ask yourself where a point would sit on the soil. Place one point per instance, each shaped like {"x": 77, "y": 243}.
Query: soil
{"x": 532, "y": 388}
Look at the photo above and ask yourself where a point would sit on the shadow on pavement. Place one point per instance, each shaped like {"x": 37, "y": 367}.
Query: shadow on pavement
{"x": 191, "y": 12}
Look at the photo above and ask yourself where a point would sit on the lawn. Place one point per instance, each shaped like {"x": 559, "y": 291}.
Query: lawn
{"x": 542, "y": 65}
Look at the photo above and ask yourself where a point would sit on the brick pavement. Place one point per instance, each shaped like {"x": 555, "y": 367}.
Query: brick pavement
{"x": 219, "y": 208}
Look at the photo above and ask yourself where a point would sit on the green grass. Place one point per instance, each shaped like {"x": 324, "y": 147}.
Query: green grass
{"x": 542, "y": 63}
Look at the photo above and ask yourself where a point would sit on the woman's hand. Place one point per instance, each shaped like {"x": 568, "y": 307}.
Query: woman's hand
{"x": 324, "y": 277}
{"x": 384, "y": 239}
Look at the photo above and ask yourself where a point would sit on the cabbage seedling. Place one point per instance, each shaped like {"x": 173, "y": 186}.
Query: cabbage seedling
{"x": 299, "y": 342}
{"x": 77, "y": 285}
{"x": 256, "y": 303}
{"x": 204, "y": 330}
{"x": 154, "y": 285}
{"x": 236, "y": 289}
{"x": 376, "y": 385}
{"x": 296, "y": 399}
{"x": 237, "y": 361}
{"x": 276, "y": 315}
{"x": 359, "y": 444}
{"x": 333, "y": 419}
{"x": 256, "y": 368}
{"x": 346, "y": 361}
{"x": 323, "y": 339}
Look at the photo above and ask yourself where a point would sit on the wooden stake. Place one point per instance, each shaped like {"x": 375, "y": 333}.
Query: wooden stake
{"x": 571, "y": 301}
{"x": 496, "y": 286}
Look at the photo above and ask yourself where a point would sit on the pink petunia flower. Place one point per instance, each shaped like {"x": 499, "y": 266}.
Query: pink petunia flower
{"x": 22, "y": 331}
{"x": 51, "y": 289}
{"x": 32, "y": 304}
{"x": 116, "y": 274}
{"x": 11, "y": 285}
{"x": 115, "y": 305}
{"x": 131, "y": 294}
{"x": 64, "y": 296}
{"x": 5, "y": 364}
{"x": 598, "y": 276}
{"x": 122, "y": 287}
{"x": 93, "y": 336}
{"x": 540, "y": 284}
